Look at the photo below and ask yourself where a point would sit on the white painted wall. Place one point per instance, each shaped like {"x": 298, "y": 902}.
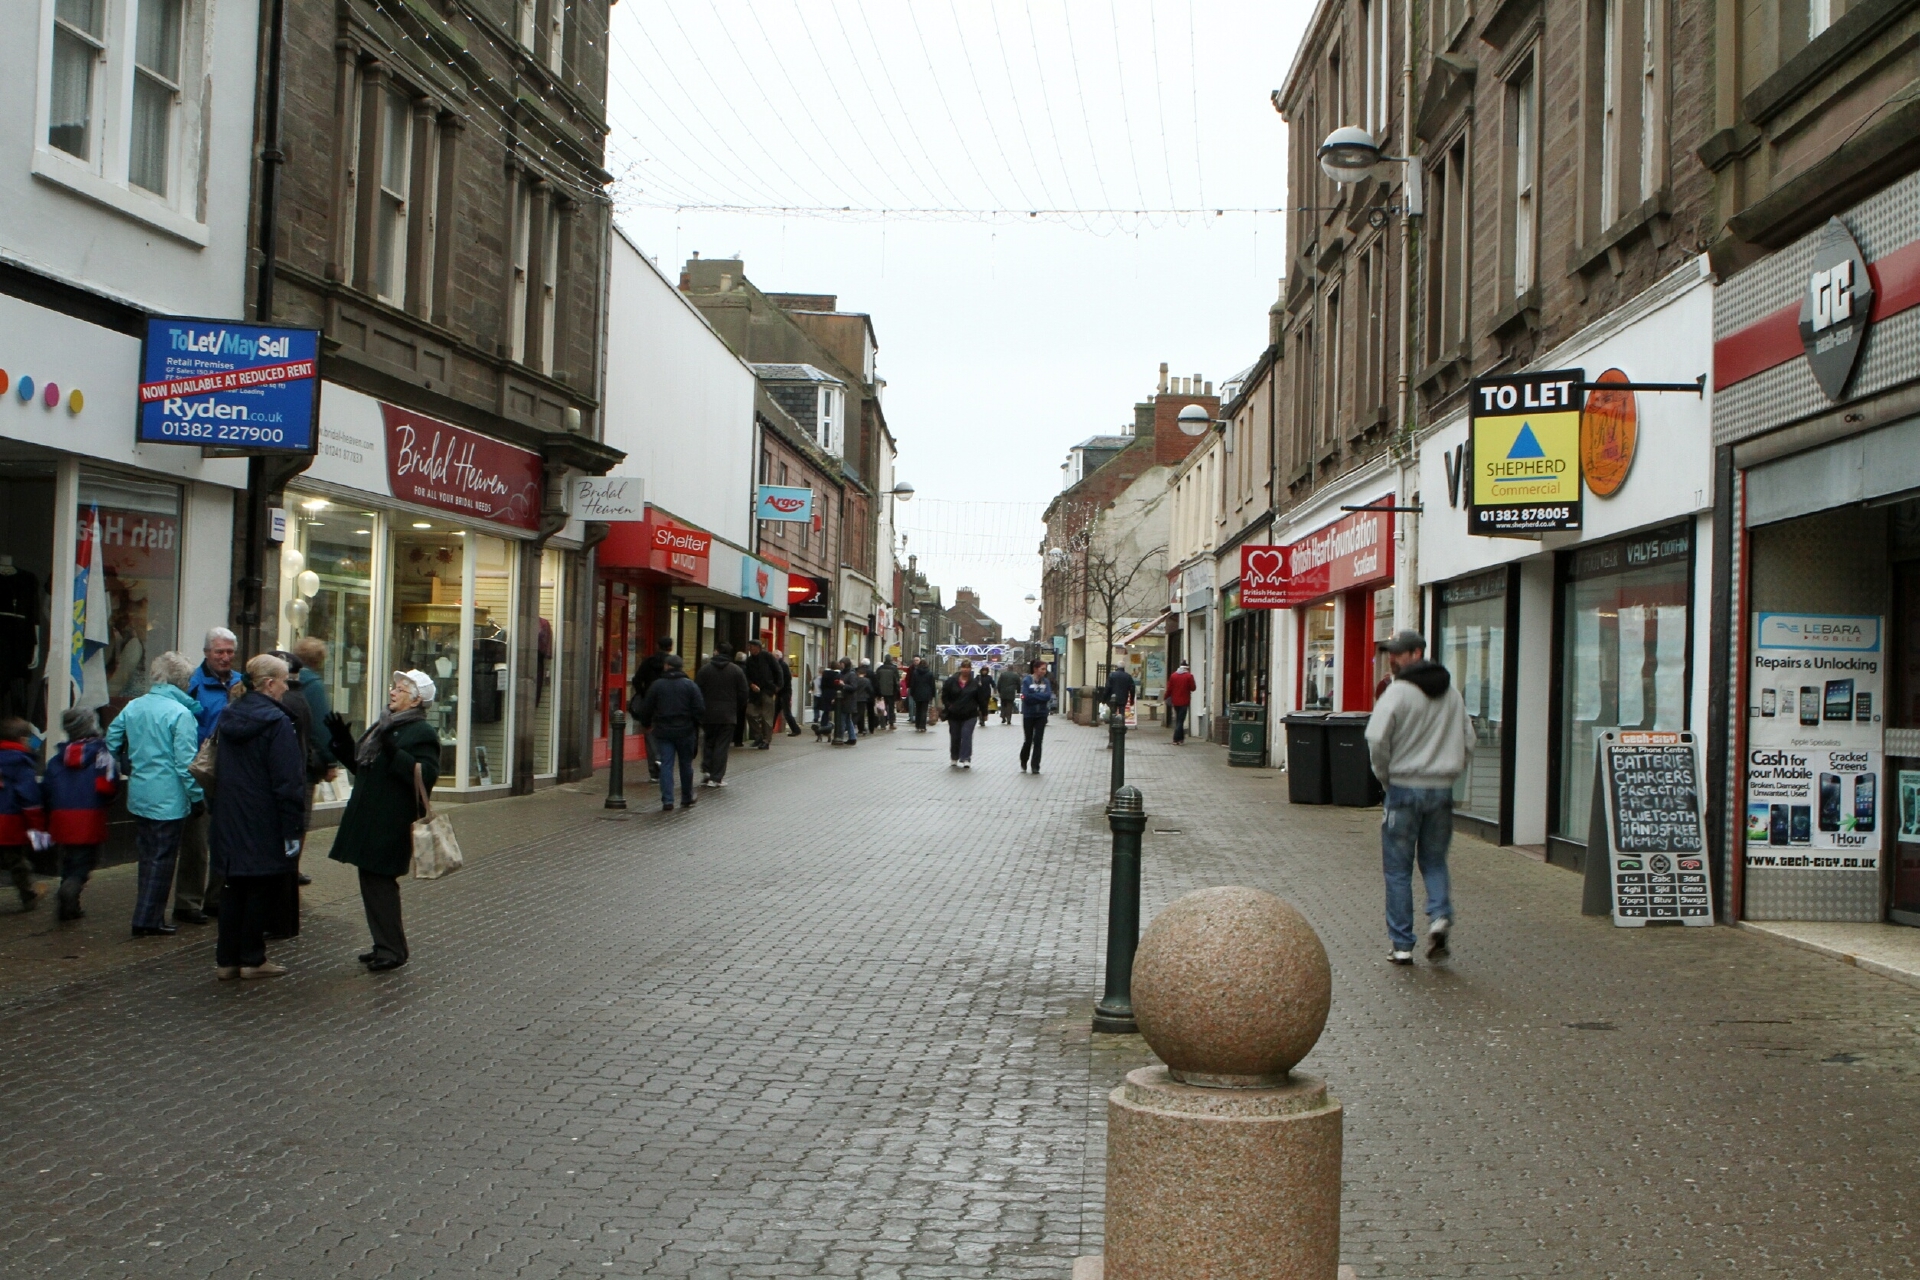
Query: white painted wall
{"x": 1533, "y": 683}
{"x": 84, "y": 224}
{"x": 208, "y": 549}
{"x": 678, "y": 401}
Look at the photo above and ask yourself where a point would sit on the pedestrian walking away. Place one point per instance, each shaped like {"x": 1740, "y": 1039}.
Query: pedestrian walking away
{"x": 155, "y": 737}
{"x": 1180, "y": 687}
{"x": 864, "y": 695}
{"x": 643, "y": 677}
{"x": 81, "y": 782}
{"x": 920, "y": 689}
{"x": 1036, "y": 704}
{"x": 886, "y": 691}
{"x": 723, "y": 690}
{"x": 1007, "y": 686}
{"x": 259, "y": 815}
{"x": 845, "y": 689}
{"x": 23, "y": 814}
{"x": 765, "y": 673}
{"x": 1117, "y": 693}
{"x": 826, "y": 691}
{"x": 786, "y": 699}
{"x": 392, "y": 763}
{"x": 1418, "y": 741}
{"x": 283, "y": 914}
{"x": 960, "y": 704}
{"x": 214, "y": 683}
{"x": 671, "y": 712}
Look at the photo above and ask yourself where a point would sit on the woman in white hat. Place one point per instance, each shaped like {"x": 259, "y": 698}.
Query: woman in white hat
{"x": 393, "y": 764}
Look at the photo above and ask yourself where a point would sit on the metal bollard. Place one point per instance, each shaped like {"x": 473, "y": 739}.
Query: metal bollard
{"x": 617, "y": 755}
{"x": 1128, "y": 817}
{"x": 1117, "y": 743}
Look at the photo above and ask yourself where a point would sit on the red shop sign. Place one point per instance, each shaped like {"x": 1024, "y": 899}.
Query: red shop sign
{"x": 437, "y": 464}
{"x": 676, "y": 548}
{"x": 1350, "y": 552}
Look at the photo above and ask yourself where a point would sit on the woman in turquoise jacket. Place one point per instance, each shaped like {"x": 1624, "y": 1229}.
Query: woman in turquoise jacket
{"x": 155, "y": 738}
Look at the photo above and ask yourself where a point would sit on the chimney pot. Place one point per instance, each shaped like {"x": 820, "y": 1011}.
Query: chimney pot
{"x": 1209, "y": 390}
{"x": 1163, "y": 370}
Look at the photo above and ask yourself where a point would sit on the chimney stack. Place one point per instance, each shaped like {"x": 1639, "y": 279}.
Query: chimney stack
{"x": 1163, "y": 377}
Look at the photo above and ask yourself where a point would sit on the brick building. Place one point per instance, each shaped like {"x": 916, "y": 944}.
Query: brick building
{"x": 440, "y": 216}
{"x": 971, "y": 623}
{"x": 792, "y": 454}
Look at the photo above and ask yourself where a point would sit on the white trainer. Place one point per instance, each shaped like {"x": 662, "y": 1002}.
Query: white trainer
{"x": 1437, "y": 937}
{"x": 1400, "y": 957}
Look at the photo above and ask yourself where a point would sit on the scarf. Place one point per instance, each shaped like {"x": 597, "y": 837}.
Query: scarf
{"x": 367, "y": 750}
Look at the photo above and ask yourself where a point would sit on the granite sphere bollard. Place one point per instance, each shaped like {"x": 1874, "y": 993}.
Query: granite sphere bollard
{"x": 1224, "y": 1163}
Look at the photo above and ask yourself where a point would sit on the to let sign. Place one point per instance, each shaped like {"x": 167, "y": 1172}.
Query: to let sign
{"x": 237, "y": 387}
{"x": 1523, "y": 453}
{"x": 1350, "y": 552}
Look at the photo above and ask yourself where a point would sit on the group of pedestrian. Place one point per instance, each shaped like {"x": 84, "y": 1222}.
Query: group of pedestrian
{"x": 219, "y": 766}
{"x": 681, "y": 717}
{"x": 966, "y": 700}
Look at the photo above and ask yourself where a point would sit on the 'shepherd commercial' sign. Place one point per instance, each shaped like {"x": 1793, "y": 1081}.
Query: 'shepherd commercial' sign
{"x": 1523, "y": 453}
{"x": 1350, "y": 552}
{"x": 221, "y": 385}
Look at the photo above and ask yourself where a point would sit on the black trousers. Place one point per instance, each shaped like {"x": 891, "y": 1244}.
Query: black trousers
{"x": 890, "y": 710}
{"x": 716, "y": 742}
{"x": 920, "y": 713}
{"x": 1036, "y": 734}
{"x": 380, "y": 896}
{"x": 245, "y": 904}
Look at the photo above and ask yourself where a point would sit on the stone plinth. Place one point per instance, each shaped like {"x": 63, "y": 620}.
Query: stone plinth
{"x": 1224, "y": 1184}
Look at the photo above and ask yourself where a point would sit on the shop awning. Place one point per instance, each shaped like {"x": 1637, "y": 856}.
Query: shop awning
{"x": 1142, "y": 630}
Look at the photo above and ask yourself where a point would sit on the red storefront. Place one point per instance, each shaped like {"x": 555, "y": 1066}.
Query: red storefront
{"x": 1331, "y": 580}
{"x": 639, "y": 566}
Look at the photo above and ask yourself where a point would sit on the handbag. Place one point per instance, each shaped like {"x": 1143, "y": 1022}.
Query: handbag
{"x": 202, "y": 767}
{"x": 435, "y": 850}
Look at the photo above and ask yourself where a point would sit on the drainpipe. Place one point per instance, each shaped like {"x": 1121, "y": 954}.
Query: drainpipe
{"x": 1407, "y": 529}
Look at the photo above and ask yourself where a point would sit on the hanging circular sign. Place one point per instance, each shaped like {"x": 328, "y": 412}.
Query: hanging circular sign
{"x": 1609, "y": 428}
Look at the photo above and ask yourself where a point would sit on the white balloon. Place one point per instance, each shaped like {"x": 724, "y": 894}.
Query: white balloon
{"x": 297, "y": 611}
{"x": 309, "y": 584}
{"x": 291, "y": 561}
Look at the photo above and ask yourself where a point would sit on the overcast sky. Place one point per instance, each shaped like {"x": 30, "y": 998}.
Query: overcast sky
{"x": 745, "y": 127}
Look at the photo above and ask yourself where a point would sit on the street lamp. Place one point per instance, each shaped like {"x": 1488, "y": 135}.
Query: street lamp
{"x": 1350, "y": 155}
{"x": 1193, "y": 421}
{"x": 902, "y": 491}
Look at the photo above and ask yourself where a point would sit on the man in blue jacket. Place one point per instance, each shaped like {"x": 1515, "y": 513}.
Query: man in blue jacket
{"x": 196, "y": 889}
{"x": 157, "y": 735}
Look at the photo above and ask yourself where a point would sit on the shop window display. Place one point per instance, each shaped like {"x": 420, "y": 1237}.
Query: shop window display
{"x": 545, "y": 703}
{"x": 326, "y": 591}
{"x": 133, "y": 527}
{"x": 426, "y": 586}
{"x": 26, "y": 569}
{"x": 1318, "y": 658}
{"x": 489, "y": 690}
{"x": 1624, "y": 637}
{"x": 1472, "y": 636}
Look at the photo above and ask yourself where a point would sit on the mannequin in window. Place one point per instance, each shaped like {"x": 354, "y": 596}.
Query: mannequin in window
{"x": 489, "y": 667}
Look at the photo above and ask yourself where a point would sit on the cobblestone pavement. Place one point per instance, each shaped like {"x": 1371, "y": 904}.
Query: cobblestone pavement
{"x": 833, "y": 1022}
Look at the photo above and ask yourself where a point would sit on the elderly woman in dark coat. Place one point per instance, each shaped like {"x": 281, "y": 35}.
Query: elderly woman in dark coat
{"x": 259, "y": 814}
{"x": 376, "y": 831}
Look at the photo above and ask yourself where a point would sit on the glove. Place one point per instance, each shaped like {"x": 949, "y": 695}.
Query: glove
{"x": 293, "y": 848}
{"x": 199, "y": 809}
{"x": 339, "y": 737}
{"x": 40, "y": 841}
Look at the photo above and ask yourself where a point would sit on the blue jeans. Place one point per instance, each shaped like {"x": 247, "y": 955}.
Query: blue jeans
{"x": 669, "y": 749}
{"x": 1418, "y": 822}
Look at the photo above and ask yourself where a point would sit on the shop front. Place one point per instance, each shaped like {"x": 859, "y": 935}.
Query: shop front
{"x": 111, "y": 552}
{"x": 416, "y": 543}
{"x": 1817, "y": 420}
{"x": 809, "y": 640}
{"x": 1322, "y": 589}
{"x": 1557, "y": 635}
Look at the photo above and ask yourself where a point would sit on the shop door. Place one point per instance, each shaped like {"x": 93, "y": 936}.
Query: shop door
{"x": 617, "y": 615}
{"x": 26, "y": 565}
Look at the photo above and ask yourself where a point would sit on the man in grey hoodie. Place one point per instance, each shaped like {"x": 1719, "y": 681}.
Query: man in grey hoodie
{"x": 1418, "y": 741}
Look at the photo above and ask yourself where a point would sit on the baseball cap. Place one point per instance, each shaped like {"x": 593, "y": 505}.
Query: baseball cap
{"x": 423, "y": 686}
{"x": 1406, "y": 642}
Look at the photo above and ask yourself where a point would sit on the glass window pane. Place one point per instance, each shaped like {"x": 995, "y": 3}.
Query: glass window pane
{"x": 151, "y": 134}
{"x": 1316, "y": 686}
{"x": 1473, "y": 649}
{"x": 129, "y": 613}
{"x": 399, "y": 150}
{"x": 490, "y": 679}
{"x": 70, "y": 108}
{"x": 156, "y": 40}
{"x": 545, "y": 652}
{"x": 429, "y": 560}
{"x": 326, "y": 593}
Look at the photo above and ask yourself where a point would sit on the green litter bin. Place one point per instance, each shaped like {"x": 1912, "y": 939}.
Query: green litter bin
{"x": 1247, "y": 734}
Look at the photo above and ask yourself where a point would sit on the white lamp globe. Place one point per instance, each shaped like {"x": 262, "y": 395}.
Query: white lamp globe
{"x": 1193, "y": 420}
{"x": 1349, "y": 154}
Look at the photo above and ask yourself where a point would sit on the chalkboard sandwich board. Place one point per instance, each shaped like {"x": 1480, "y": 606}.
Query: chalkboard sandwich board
{"x": 1656, "y": 842}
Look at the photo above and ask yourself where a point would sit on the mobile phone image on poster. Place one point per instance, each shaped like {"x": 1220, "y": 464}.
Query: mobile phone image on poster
{"x": 1909, "y": 792}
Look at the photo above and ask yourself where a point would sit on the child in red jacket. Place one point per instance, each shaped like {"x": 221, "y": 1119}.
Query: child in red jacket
{"x": 23, "y": 819}
{"x": 81, "y": 780}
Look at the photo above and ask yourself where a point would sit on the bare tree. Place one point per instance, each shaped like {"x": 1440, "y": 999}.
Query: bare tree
{"x": 1107, "y": 578}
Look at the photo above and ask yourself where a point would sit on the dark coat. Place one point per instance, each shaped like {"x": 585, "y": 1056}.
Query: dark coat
{"x": 313, "y": 692}
{"x": 260, "y": 795}
{"x": 1119, "y": 688}
{"x": 651, "y": 668}
{"x": 1007, "y": 684}
{"x": 886, "y": 681}
{"x": 920, "y": 684}
{"x": 724, "y": 686}
{"x": 376, "y": 831}
{"x": 767, "y": 671}
{"x": 959, "y": 702}
{"x": 673, "y": 705}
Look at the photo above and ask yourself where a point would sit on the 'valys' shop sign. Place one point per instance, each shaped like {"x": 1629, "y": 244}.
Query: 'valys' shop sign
{"x": 1350, "y": 552}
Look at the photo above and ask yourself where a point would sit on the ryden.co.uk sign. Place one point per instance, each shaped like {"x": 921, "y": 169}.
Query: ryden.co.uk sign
{"x": 240, "y": 387}
{"x": 1523, "y": 453}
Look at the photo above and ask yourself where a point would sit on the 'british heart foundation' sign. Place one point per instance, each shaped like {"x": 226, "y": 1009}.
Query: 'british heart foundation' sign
{"x": 1351, "y": 552}
{"x": 437, "y": 464}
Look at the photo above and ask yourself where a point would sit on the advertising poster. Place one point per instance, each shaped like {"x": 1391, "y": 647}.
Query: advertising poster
{"x": 1814, "y": 739}
{"x": 1523, "y": 453}
{"x": 1657, "y": 854}
{"x": 230, "y": 386}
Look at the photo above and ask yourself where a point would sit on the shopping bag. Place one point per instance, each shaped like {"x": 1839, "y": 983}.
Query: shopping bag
{"x": 202, "y": 765}
{"x": 435, "y": 850}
